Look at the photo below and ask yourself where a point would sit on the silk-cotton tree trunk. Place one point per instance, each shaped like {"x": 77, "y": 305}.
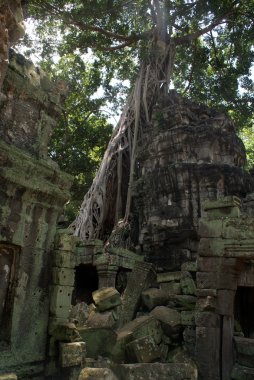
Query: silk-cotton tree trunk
{"x": 109, "y": 199}
{"x": 218, "y": 62}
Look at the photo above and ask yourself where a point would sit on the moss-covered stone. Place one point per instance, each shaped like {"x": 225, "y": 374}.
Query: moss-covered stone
{"x": 99, "y": 341}
{"x": 170, "y": 320}
{"x": 8, "y": 376}
{"x": 188, "y": 285}
{"x": 97, "y": 373}
{"x": 72, "y": 354}
{"x": 154, "y": 297}
{"x": 143, "y": 350}
{"x": 106, "y": 298}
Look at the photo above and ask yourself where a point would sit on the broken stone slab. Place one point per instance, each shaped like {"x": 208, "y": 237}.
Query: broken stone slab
{"x": 141, "y": 277}
{"x": 118, "y": 353}
{"x": 154, "y": 297}
{"x": 189, "y": 266}
{"x": 155, "y": 371}
{"x": 143, "y": 326}
{"x": 179, "y": 355}
{"x": 244, "y": 351}
{"x": 79, "y": 313}
{"x": 188, "y": 285}
{"x": 171, "y": 288}
{"x": 169, "y": 276}
{"x": 104, "y": 319}
{"x": 99, "y": 340}
{"x": 188, "y": 318}
{"x": 143, "y": 350}
{"x": 182, "y": 302}
{"x": 100, "y": 362}
{"x": 72, "y": 354}
{"x": 97, "y": 374}
{"x": 170, "y": 320}
{"x": 242, "y": 373}
{"x": 138, "y": 328}
{"x": 106, "y": 298}
{"x": 67, "y": 333}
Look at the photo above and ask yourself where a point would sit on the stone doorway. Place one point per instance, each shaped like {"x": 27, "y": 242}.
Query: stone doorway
{"x": 244, "y": 310}
{"x": 86, "y": 282}
{"x": 8, "y": 273}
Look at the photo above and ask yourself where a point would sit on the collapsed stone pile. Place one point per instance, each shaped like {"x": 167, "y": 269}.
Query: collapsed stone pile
{"x": 161, "y": 330}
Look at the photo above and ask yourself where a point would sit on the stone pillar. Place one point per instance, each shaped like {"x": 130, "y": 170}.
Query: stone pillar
{"x": 107, "y": 275}
{"x": 142, "y": 275}
{"x": 62, "y": 277}
{"x": 226, "y": 239}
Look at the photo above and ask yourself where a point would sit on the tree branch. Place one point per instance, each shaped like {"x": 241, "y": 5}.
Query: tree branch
{"x": 192, "y": 36}
{"x": 68, "y": 19}
{"x": 107, "y": 33}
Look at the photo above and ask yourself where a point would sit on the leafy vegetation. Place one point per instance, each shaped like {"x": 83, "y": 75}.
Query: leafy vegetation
{"x": 204, "y": 48}
{"x": 82, "y": 134}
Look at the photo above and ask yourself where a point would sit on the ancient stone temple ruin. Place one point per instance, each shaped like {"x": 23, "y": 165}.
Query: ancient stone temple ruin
{"x": 176, "y": 301}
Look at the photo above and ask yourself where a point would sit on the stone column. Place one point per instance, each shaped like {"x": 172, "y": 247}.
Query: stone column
{"x": 107, "y": 275}
{"x": 226, "y": 239}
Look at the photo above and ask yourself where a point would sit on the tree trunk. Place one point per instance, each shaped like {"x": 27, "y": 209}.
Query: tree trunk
{"x": 109, "y": 198}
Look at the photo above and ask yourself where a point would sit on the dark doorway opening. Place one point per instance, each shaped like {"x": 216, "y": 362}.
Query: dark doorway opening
{"x": 244, "y": 310}
{"x": 122, "y": 279}
{"x": 86, "y": 282}
{"x": 9, "y": 255}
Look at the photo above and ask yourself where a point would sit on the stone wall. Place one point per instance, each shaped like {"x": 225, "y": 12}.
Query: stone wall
{"x": 32, "y": 194}
{"x": 11, "y": 29}
{"x": 30, "y": 107}
{"x": 190, "y": 154}
{"x": 224, "y": 319}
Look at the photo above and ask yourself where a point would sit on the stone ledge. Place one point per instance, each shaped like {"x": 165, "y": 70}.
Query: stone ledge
{"x": 155, "y": 371}
{"x": 40, "y": 176}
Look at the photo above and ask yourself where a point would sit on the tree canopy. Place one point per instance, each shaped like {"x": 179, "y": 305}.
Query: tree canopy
{"x": 81, "y": 136}
{"x": 203, "y": 48}
{"x": 211, "y": 68}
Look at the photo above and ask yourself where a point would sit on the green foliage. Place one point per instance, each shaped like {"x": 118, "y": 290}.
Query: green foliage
{"x": 214, "y": 57}
{"x": 217, "y": 67}
{"x": 209, "y": 69}
{"x": 247, "y": 136}
{"x": 82, "y": 134}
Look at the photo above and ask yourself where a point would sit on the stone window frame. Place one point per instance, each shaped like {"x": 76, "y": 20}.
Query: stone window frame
{"x": 6, "y": 322}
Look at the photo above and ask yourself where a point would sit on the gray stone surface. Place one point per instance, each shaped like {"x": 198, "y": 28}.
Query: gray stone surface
{"x": 154, "y": 297}
{"x": 106, "y": 298}
{"x": 170, "y": 320}
{"x": 155, "y": 371}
